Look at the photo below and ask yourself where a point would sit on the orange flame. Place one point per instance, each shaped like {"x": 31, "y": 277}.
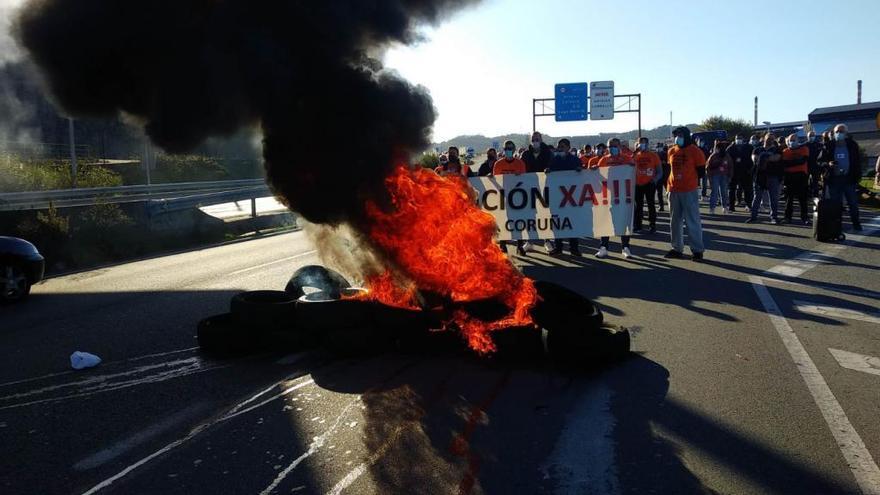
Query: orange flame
{"x": 436, "y": 236}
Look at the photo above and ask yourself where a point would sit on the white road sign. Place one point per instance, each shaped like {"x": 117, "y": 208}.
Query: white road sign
{"x": 602, "y": 100}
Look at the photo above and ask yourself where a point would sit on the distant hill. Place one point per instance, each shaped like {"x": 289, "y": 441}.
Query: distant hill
{"x": 479, "y": 142}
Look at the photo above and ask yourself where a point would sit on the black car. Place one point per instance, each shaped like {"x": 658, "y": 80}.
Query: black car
{"x": 21, "y": 266}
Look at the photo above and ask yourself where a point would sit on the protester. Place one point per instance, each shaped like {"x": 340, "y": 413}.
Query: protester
{"x": 842, "y": 163}
{"x": 510, "y": 165}
{"x": 537, "y": 157}
{"x": 453, "y": 165}
{"x": 562, "y": 161}
{"x": 719, "y": 169}
{"x": 688, "y": 165}
{"x": 877, "y": 174}
{"x": 768, "y": 172}
{"x": 662, "y": 151}
{"x": 795, "y": 160}
{"x": 614, "y": 158}
{"x": 740, "y": 188}
{"x": 586, "y": 154}
{"x": 648, "y": 174}
{"x": 815, "y": 147}
{"x": 704, "y": 180}
{"x": 600, "y": 151}
{"x": 487, "y": 166}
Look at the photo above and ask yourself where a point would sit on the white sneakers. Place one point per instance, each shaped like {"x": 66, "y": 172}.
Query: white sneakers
{"x": 603, "y": 253}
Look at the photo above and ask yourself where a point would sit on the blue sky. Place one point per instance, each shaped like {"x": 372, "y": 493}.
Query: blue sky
{"x": 485, "y": 64}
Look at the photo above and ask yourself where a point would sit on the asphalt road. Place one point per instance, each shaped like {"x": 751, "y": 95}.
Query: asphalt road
{"x": 736, "y": 384}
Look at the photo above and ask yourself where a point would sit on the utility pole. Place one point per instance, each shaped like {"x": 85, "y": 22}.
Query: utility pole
{"x": 670, "y": 123}
{"x": 859, "y": 96}
{"x": 72, "y": 151}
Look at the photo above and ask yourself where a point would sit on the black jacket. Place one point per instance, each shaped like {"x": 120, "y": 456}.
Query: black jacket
{"x": 741, "y": 154}
{"x": 813, "y": 162}
{"x": 486, "y": 168}
{"x": 855, "y": 159}
{"x": 539, "y": 163}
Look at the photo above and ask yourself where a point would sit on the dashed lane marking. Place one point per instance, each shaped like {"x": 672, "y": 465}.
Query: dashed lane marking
{"x": 857, "y": 362}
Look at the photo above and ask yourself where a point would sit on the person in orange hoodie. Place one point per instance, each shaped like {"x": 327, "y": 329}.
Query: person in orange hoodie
{"x": 648, "y": 172}
{"x": 510, "y": 165}
{"x": 688, "y": 164}
{"x": 614, "y": 158}
{"x": 795, "y": 160}
{"x": 586, "y": 155}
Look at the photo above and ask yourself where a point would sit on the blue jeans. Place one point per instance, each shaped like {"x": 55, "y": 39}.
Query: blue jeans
{"x": 719, "y": 191}
{"x": 840, "y": 187}
{"x": 684, "y": 208}
{"x": 772, "y": 188}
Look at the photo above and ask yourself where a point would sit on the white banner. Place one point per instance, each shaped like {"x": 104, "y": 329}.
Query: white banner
{"x": 559, "y": 205}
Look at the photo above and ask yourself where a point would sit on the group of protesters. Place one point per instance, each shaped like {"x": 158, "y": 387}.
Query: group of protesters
{"x": 739, "y": 174}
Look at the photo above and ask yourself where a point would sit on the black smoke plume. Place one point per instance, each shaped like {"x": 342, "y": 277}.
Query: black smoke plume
{"x": 334, "y": 123}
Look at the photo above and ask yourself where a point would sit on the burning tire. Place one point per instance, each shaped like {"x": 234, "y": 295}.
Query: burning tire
{"x": 321, "y": 311}
{"x": 223, "y": 335}
{"x": 316, "y": 277}
{"x": 264, "y": 310}
{"x": 588, "y": 347}
{"x": 562, "y": 308}
{"x": 519, "y": 343}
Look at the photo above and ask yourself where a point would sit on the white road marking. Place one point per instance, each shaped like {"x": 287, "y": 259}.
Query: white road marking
{"x": 582, "y": 460}
{"x": 106, "y": 364}
{"x": 857, "y": 362}
{"x": 348, "y": 479}
{"x": 831, "y": 311}
{"x": 314, "y": 446}
{"x": 192, "y": 434}
{"x": 282, "y": 260}
{"x": 814, "y": 286}
{"x": 107, "y": 383}
{"x": 123, "y": 446}
{"x": 799, "y": 265}
{"x": 857, "y": 456}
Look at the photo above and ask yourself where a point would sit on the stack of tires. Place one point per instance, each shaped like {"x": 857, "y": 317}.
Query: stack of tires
{"x": 319, "y": 308}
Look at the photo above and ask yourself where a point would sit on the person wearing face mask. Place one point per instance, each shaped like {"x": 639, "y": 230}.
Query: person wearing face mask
{"x": 767, "y": 171}
{"x": 688, "y": 166}
{"x": 648, "y": 174}
{"x": 841, "y": 160}
{"x": 740, "y": 188}
{"x": 600, "y": 151}
{"x": 486, "y": 167}
{"x": 586, "y": 155}
{"x": 661, "y": 183}
{"x": 814, "y": 146}
{"x": 537, "y": 157}
{"x": 562, "y": 161}
{"x": 615, "y": 158}
{"x": 509, "y": 164}
{"x": 795, "y": 159}
{"x": 719, "y": 169}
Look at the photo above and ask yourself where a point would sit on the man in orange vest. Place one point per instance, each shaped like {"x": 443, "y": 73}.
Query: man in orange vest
{"x": 510, "y": 165}
{"x": 796, "y": 160}
{"x": 648, "y": 173}
{"x": 614, "y": 158}
{"x": 688, "y": 165}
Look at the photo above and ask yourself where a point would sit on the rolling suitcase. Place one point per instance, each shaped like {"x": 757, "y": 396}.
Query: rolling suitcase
{"x": 828, "y": 219}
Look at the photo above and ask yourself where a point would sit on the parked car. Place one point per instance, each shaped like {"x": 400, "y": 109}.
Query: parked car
{"x": 21, "y": 266}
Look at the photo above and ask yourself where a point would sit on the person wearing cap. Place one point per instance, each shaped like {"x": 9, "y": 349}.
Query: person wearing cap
{"x": 486, "y": 167}
{"x": 795, "y": 160}
{"x": 648, "y": 173}
{"x": 510, "y": 164}
{"x": 562, "y": 161}
{"x": 688, "y": 166}
{"x": 843, "y": 164}
{"x": 614, "y": 158}
{"x": 537, "y": 157}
